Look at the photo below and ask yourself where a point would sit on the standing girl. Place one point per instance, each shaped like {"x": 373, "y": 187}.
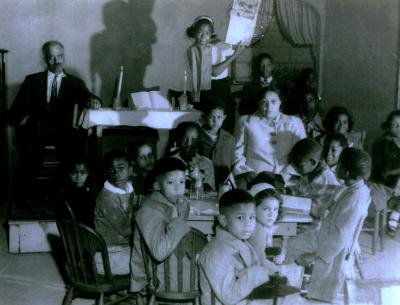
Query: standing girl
{"x": 209, "y": 60}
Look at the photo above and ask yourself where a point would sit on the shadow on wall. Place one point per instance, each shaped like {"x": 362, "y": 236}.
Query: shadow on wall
{"x": 126, "y": 41}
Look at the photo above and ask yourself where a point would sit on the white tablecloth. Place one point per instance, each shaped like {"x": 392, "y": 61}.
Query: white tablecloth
{"x": 158, "y": 119}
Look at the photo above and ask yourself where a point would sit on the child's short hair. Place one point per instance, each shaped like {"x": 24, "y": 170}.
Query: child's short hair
{"x": 305, "y": 149}
{"x": 356, "y": 162}
{"x": 197, "y": 23}
{"x": 75, "y": 160}
{"x": 268, "y": 193}
{"x": 166, "y": 165}
{"x": 212, "y": 103}
{"x": 257, "y": 61}
{"x": 133, "y": 147}
{"x": 234, "y": 197}
{"x": 115, "y": 154}
{"x": 386, "y": 124}
{"x": 333, "y": 115}
{"x": 183, "y": 127}
{"x": 263, "y": 91}
{"x": 338, "y": 137}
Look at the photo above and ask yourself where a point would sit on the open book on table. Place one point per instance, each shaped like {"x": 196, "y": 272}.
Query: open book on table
{"x": 149, "y": 100}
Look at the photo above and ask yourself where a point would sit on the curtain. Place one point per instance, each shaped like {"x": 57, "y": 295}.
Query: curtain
{"x": 299, "y": 21}
{"x": 264, "y": 18}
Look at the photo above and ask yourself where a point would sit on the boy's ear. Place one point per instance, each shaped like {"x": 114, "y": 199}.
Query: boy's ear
{"x": 222, "y": 220}
{"x": 313, "y": 162}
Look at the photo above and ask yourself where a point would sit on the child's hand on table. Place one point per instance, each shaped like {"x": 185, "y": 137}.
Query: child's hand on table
{"x": 183, "y": 207}
{"x": 279, "y": 259}
{"x": 306, "y": 259}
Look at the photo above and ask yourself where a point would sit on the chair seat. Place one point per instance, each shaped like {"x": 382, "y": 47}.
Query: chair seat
{"x": 117, "y": 282}
{"x": 177, "y": 296}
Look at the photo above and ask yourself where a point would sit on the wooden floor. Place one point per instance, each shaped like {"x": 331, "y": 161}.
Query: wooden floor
{"x": 35, "y": 279}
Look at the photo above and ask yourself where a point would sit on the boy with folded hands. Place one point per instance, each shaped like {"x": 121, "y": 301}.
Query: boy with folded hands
{"x": 229, "y": 266}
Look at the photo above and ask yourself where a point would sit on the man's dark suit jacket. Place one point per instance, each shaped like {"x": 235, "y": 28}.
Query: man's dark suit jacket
{"x": 31, "y": 100}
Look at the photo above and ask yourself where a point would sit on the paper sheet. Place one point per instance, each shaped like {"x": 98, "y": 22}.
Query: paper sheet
{"x": 242, "y": 21}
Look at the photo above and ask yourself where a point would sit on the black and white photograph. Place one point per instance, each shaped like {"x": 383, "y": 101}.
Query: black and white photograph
{"x": 205, "y": 152}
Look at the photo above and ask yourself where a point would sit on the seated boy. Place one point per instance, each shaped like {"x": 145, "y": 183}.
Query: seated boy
{"x": 161, "y": 220}
{"x": 187, "y": 137}
{"x": 229, "y": 266}
{"x": 143, "y": 157}
{"x": 317, "y": 180}
{"x": 113, "y": 212}
{"x": 215, "y": 143}
{"x": 329, "y": 247}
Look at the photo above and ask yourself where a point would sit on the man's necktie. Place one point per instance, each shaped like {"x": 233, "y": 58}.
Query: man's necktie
{"x": 53, "y": 96}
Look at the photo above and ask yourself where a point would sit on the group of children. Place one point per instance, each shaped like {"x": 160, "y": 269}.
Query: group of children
{"x": 144, "y": 198}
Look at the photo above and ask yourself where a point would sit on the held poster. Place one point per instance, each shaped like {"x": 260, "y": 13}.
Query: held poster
{"x": 242, "y": 21}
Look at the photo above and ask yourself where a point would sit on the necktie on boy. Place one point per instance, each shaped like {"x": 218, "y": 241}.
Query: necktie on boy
{"x": 54, "y": 96}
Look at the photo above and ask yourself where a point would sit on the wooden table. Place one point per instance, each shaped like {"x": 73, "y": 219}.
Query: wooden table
{"x": 95, "y": 121}
{"x": 286, "y": 225}
{"x": 157, "y": 119}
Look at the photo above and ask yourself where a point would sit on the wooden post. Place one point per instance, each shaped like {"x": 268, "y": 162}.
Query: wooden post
{"x": 3, "y": 108}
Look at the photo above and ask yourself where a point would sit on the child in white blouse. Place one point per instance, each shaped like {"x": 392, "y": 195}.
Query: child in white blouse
{"x": 209, "y": 59}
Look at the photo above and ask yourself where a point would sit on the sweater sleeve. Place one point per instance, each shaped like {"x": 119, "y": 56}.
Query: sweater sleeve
{"x": 160, "y": 234}
{"x": 230, "y": 285}
{"x": 241, "y": 166}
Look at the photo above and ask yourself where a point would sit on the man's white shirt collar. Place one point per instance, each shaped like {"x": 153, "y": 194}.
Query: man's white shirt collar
{"x": 50, "y": 78}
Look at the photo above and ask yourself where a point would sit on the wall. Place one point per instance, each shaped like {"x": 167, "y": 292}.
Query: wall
{"x": 361, "y": 59}
{"x": 288, "y": 59}
{"x": 147, "y": 37}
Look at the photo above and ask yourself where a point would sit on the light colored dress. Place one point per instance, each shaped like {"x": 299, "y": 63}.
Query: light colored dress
{"x": 261, "y": 146}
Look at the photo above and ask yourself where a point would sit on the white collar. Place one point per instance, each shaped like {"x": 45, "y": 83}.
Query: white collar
{"x": 51, "y": 75}
{"x": 267, "y": 80}
{"x": 116, "y": 190}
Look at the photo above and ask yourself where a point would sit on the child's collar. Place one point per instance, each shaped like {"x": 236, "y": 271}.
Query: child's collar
{"x": 116, "y": 190}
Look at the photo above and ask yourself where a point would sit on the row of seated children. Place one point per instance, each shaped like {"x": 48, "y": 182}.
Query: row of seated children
{"x": 114, "y": 211}
{"x": 123, "y": 206}
{"x": 234, "y": 262}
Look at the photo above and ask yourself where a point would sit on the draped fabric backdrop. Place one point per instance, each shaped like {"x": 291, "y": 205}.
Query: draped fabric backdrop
{"x": 300, "y": 23}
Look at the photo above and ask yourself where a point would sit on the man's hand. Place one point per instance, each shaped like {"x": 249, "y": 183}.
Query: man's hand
{"x": 94, "y": 103}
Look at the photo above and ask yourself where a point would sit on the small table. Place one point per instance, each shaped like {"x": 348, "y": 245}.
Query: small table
{"x": 158, "y": 119}
{"x": 205, "y": 221}
{"x": 161, "y": 120}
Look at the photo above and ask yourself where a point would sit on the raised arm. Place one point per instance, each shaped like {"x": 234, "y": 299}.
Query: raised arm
{"x": 218, "y": 68}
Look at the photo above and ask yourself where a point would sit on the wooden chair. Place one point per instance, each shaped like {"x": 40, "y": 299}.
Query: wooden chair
{"x": 377, "y": 229}
{"x": 163, "y": 288}
{"x": 68, "y": 212}
{"x": 81, "y": 243}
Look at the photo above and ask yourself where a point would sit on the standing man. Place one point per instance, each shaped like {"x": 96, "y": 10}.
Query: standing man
{"x": 43, "y": 113}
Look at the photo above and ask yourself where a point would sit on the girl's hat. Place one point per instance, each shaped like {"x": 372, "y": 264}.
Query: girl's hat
{"x": 204, "y": 17}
